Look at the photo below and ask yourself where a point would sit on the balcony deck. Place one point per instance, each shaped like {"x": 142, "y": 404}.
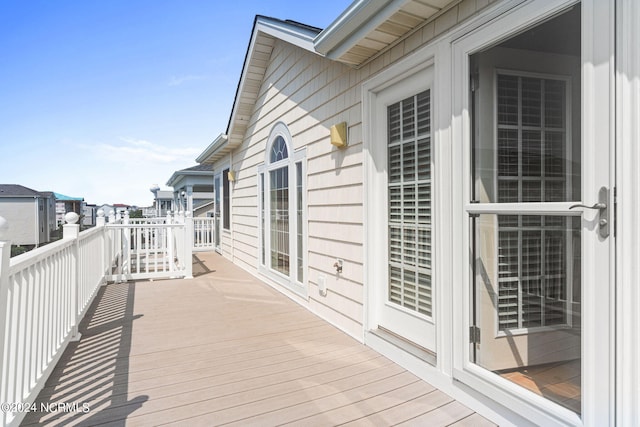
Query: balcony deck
{"x": 224, "y": 348}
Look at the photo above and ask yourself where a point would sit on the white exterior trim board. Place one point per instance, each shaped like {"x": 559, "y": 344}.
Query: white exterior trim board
{"x": 628, "y": 208}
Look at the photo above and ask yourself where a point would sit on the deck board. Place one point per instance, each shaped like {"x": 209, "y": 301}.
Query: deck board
{"x": 224, "y": 348}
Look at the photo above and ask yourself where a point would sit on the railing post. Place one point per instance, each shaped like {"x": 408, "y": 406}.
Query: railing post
{"x": 71, "y": 230}
{"x": 100, "y": 222}
{"x": 170, "y": 244}
{"x": 5, "y": 254}
{"x": 126, "y": 245}
{"x": 188, "y": 246}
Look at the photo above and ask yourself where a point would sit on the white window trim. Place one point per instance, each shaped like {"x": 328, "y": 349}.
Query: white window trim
{"x": 291, "y": 281}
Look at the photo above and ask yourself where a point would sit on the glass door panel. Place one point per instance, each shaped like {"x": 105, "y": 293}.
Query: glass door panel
{"x": 528, "y": 302}
{"x": 526, "y": 240}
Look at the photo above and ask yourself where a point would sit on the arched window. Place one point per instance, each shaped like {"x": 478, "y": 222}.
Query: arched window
{"x": 281, "y": 200}
{"x": 278, "y": 150}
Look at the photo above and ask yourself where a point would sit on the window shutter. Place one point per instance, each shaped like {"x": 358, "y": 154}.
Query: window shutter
{"x": 409, "y": 197}
{"x": 531, "y": 151}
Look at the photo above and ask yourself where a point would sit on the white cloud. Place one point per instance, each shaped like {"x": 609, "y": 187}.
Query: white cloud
{"x": 140, "y": 151}
{"x": 177, "y": 81}
{"x": 122, "y": 171}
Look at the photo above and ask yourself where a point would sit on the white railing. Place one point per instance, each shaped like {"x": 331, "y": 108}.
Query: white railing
{"x": 203, "y": 228}
{"x": 152, "y": 248}
{"x": 45, "y": 293}
{"x": 148, "y": 220}
{"x": 203, "y": 234}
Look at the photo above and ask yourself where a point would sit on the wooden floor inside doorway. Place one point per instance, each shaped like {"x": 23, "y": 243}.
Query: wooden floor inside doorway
{"x": 559, "y": 382}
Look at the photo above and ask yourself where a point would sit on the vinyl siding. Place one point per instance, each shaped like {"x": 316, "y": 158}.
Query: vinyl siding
{"x": 309, "y": 94}
{"x": 21, "y": 213}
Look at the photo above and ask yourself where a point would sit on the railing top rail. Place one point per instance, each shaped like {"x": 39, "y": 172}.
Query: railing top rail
{"x": 27, "y": 259}
{"x": 174, "y": 225}
{"x": 90, "y": 232}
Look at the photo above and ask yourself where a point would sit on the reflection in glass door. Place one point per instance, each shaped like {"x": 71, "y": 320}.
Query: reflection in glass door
{"x": 525, "y": 238}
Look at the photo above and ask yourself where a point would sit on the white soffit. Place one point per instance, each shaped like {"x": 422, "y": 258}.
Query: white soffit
{"x": 213, "y": 151}
{"x": 368, "y": 27}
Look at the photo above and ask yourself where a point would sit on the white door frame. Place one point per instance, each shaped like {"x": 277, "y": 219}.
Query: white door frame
{"x": 628, "y": 200}
{"x": 597, "y": 117}
{"x": 220, "y": 197}
{"x": 408, "y": 70}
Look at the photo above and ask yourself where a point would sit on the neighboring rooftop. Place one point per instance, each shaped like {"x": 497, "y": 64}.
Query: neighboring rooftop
{"x": 15, "y": 190}
{"x": 165, "y": 194}
{"x": 198, "y": 168}
{"x": 64, "y": 198}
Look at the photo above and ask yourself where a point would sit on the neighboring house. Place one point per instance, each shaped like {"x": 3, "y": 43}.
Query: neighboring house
{"x": 193, "y": 190}
{"x": 480, "y": 226}
{"x": 31, "y": 214}
{"x": 163, "y": 202}
{"x": 65, "y": 204}
{"x": 89, "y": 213}
{"x": 51, "y": 210}
{"x": 121, "y": 208}
{"x": 149, "y": 211}
{"x": 107, "y": 209}
{"x": 204, "y": 208}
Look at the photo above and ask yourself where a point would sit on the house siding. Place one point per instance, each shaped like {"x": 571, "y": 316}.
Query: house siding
{"x": 22, "y": 213}
{"x": 309, "y": 94}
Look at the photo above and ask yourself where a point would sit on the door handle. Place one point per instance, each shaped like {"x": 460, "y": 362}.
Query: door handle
{"x": 595, "y": 206}
{"x": 601, "y": 206}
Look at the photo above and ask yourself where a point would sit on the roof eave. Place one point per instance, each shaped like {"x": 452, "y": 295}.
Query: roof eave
{"x": 178, "y": 175}
{"x": 208, "y": 155}
{"x": 353, "y": 25}
{"x": 264, "y": 28}
{"x": 287, "y": 31}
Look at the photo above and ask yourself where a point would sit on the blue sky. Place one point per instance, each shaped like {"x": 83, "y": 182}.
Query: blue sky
{"x": 101, "y": 99}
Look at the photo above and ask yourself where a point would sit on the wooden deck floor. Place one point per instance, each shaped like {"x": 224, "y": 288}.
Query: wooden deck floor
{"x": 224, "y": 349}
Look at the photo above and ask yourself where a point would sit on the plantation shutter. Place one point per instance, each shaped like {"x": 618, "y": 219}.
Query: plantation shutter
{"x": 532, "y": 250}
{"x": 409, "y": 201}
